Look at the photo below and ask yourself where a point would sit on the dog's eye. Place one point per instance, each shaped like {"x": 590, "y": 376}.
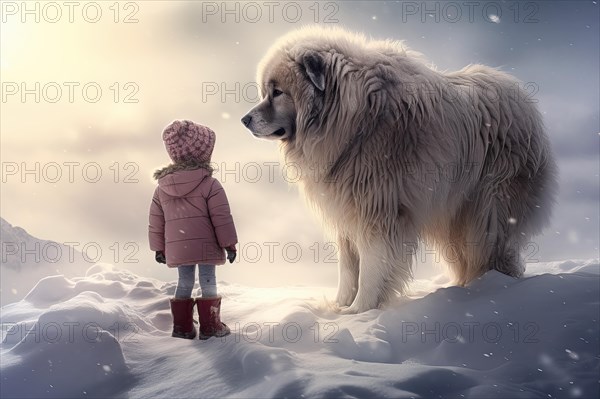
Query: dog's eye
{"x": 277, "y": 93}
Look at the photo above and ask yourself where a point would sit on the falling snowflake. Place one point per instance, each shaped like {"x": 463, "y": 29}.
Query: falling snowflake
{"x": 572, "y": 354}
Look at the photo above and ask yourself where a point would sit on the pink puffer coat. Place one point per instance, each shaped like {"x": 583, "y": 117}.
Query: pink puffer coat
{"x": 190, "y": 219}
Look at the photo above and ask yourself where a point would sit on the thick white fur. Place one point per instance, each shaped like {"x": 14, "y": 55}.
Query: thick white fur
{"x": 406, "y": 152}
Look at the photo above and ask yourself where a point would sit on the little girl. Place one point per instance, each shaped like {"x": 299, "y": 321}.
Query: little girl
{"x": 191, "y": 224}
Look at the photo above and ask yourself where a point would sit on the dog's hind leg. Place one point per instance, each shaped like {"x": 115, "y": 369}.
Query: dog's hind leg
{"x": 477, "y": 235}
{"x": 490, "y": 241}
{"x": 348, "y": 272}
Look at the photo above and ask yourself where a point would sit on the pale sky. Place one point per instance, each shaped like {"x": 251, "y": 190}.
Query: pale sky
{"x": 193, "y": 60}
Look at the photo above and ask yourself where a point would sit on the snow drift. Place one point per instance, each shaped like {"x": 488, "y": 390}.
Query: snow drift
{"x": 108, "y": 335}
{"x": 25, "y": 259}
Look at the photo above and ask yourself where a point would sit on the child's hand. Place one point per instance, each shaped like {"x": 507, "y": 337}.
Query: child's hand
{"x": 231, "y": 254}
{"x": 160, "y": 257}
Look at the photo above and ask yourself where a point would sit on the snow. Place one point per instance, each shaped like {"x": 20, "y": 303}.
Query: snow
{"x": 107, "y": 334}
{"x": 26, "y": 259}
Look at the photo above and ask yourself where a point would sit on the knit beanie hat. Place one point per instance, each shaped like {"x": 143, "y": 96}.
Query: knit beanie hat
{"x": 186, "y": 140}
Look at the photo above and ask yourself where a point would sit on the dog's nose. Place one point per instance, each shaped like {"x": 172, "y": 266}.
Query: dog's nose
{"x": 246, "y": 120}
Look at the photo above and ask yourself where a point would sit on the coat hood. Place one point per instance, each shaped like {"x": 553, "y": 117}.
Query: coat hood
{"x": 178, "y": 181}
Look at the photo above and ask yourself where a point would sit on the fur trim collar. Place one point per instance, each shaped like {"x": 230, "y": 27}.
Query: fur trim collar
{"x": 186, "y": 165}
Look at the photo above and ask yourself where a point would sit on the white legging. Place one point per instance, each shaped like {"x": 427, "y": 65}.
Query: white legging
{"x": 206, "y": 276}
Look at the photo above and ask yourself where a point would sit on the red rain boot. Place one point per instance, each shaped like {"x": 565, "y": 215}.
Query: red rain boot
{"x": 183, "y": 318}
{"x": 209, "y": 311}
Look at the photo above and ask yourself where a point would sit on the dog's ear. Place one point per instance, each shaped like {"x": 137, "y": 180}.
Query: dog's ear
{"x": 315, "y": 69}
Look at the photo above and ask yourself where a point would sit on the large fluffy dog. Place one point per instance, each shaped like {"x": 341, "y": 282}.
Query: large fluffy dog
{"x": 392, "y": 150}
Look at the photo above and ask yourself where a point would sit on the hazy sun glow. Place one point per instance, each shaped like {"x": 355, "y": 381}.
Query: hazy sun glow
{"x": 98, "y": 95}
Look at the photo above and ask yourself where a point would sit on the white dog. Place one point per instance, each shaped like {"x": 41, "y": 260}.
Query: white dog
{"x": 399, "y": 151}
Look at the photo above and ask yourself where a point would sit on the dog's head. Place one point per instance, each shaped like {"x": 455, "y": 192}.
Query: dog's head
{"x": 315, "y": 79}
{"x": 287, "y": 83}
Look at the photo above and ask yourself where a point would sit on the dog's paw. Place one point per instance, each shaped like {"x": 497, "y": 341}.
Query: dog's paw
{"x": 352, "y": 309}
{"x": 357, "y": 307}
{"x": 343, "y": 302}
{"x": 345, "y": 297}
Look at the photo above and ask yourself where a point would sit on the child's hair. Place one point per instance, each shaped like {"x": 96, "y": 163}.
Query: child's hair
{"x": 188, "y": 164}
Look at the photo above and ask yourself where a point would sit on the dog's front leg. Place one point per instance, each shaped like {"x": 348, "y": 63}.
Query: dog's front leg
{"x": 383, "y": 272}
{"x": 348, "y": 267}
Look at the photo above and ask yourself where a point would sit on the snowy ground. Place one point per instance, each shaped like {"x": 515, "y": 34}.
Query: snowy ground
{"x": 108, "y": 335}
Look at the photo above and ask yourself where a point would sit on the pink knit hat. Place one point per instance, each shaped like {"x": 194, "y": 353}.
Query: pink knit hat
{"x": 186, "y": 140}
